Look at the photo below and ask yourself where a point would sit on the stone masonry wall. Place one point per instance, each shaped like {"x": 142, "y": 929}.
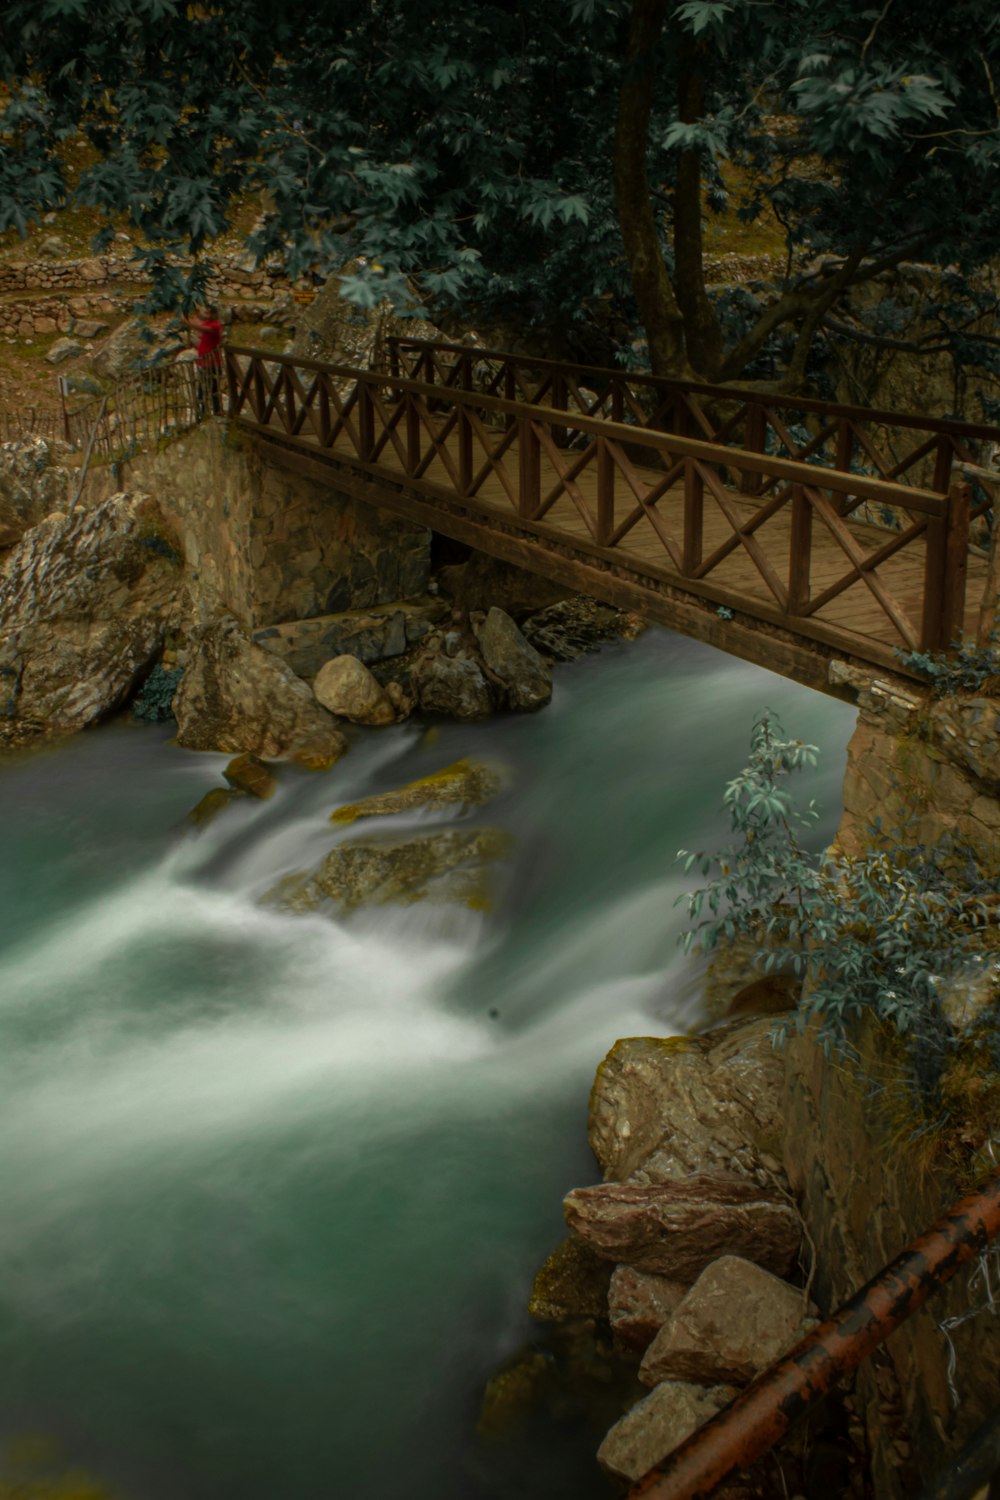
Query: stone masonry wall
{"x": 267, "y": 545}
{"x": 866, "y": 1191}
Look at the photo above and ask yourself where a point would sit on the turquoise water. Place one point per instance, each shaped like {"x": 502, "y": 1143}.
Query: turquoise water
{"x": 273, "y": 1188}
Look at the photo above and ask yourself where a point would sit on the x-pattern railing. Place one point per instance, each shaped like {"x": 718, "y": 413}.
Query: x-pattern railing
{"x": 455, "y": 440}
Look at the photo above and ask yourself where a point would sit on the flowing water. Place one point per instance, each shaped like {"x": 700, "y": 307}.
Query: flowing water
{"x": 273, "y": 1188}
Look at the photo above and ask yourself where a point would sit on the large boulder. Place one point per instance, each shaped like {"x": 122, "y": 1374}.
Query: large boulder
{"x": 663, "y": 1108}
{"x": 237, "y": 698}
{"x": 371, "y": 635}
{"x": 677, "y": 1228}
{"x": 572, "y": 1283}
{"x": 525, "y": 676}
{"x": 735, "y": 1321}
{"x": 85, "y": 600}
{"x": 345, "y": 686}
{"x": 451, "y": 866}
{"x": 452, "y": 685}
{"x": 657, "y": 1425}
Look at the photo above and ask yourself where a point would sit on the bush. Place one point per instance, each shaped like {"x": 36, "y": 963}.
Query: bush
{"x": 154, "y": 698}
{"x": 889, "y": 933}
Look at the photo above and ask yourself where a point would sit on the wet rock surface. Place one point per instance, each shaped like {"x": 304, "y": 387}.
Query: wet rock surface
{"x": 526, "y": 678}
{"x": 464, "y": 783}
{"x": 443, "y": 867}
{"x": 639, "y": 1303}
{"x": 237, "y": 698}
{"x": 677, "y": 1228}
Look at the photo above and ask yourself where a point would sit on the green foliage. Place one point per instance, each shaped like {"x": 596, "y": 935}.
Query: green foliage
{"x": 964, "y": 669}
{"x": 154, "y": 698}
{"x": 885, "y": 933}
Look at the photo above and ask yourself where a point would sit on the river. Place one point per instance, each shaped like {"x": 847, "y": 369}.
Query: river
{"x": 273, "y": 1188}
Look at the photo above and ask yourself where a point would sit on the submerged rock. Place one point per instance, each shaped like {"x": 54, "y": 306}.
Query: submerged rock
{"x": 213, "y": 803}
{"x": 735, "y": 1321}
{"x": 463, "y": 782}
{"x": 447, "y": 866}
{"x": 572, "y": 1283}
{"x": 677, "y": 1228}
{"x": 249, "y": 774}
{"x": 237, "y": 698}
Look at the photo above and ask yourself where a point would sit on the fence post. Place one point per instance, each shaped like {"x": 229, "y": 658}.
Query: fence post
{"x": 412, "y": 432}
{"x": 842, "y": 463}
{"x": 956, "y": 562}
{"x": 799, "y": 552}
{"x": 560, "y": 402}
{"x": 944, "y": 457}
{"x": 529, "y": 465}
{"x": 694, "y": 508}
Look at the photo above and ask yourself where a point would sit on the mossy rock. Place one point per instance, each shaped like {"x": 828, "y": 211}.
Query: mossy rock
{"x": 453, "y": 866}
{"x": 212, "y": 804}
{"x": 573, "y": 1283}
{"x": 463, "y": 782}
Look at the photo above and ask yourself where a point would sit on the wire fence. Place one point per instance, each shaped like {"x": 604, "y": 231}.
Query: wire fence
{"x": 138, "y": 412}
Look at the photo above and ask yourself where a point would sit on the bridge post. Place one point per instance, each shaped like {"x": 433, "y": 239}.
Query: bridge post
{"x": 366, "y": 422}
{"x": 799, "y": 551}
{"x": 559, "y": 401}
{"x": 529, "y": 463}
{"x": 464, "y": 450}
{"x": 944, "y": 455}
{"x": 945, "y": 570}
{"x": 412, "y": 432}
{"x": 605, "y": 493}
{"x": 694, "y": 515}
{"x": 842, "y": 463}
{"x": 754, "y": 441}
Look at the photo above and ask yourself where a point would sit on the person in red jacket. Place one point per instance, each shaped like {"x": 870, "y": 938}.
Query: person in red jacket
{"x": 210, "y": 335}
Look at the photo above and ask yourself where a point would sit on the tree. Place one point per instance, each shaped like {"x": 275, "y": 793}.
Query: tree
{"x": 552, "y": 158}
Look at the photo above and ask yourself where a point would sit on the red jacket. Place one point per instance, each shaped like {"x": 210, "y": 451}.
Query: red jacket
{"x": 210, "y": 338}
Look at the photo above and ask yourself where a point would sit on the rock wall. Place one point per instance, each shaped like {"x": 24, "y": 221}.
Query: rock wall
{"x": 866, "y": 1188}
{"x": 266, "y": 545}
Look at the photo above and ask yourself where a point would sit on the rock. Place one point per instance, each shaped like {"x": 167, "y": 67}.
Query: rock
{"x": 639, "y": 1303}
{"x": 464, "y": 782}
{"x": 403, "y": 702}
{"x": 453, "y": 686}
{"x": 968, "y": 731}
{"x": 735, "y": 1321}
{"x": 677, "y": 1228}
{"x": 63, "y": 349}
{"x": 85, "y": 601}
{"x": 527, "y": 678}
{"x": 9, "y": 536}
{"x": 371, "y": 635}
{"x": 32, "y": 484}
{"x": 249, "y": 774}
{"x": 123, "y": 351}
{"x": 666, "y": 1107}
{"x": 446, "y": 867}
{"x": 54, "y": 247}
{"x": 237, "y": 698}
{"x": 346, "y": 687}
{"x": 565, "y": 630}
{"x": 213, "y": 803}
{"x": 89, "y": 328}
{"x": 657, "y": 1425}
{"x": 573, "y": 1283}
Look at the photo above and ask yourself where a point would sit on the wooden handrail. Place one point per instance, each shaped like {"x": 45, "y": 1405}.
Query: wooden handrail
{"x": 944, "y": 426}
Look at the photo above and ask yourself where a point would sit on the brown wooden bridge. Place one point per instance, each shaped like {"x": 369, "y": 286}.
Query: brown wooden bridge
{"x": 784, "y": 531}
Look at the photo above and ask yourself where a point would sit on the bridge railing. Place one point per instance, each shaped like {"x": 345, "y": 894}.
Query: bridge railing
{"x": 849, "y": 439}
{"x": 551, "y": 469}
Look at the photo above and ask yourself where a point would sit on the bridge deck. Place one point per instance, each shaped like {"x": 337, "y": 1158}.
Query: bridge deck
{"x": 855, "y": 611}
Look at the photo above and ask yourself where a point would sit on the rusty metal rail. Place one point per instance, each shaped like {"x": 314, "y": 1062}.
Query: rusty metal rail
{"x": 761, "y": 1415}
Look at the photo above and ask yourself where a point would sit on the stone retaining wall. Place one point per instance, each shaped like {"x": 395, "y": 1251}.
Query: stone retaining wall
{"x": 267, "y": 545}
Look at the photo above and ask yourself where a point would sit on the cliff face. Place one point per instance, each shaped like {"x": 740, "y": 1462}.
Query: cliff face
{"x": 865, "y": 1190}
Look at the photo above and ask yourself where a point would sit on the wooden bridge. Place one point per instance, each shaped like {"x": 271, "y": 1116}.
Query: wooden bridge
{"x": 787, "y": 532}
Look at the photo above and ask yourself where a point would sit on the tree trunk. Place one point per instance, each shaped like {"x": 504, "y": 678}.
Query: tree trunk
{"x": 654, "y": 294}
{"x": 702, "y": 332}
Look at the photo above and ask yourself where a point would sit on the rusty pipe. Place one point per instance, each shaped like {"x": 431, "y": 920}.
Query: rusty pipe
{"x": 761, "y": 1415}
